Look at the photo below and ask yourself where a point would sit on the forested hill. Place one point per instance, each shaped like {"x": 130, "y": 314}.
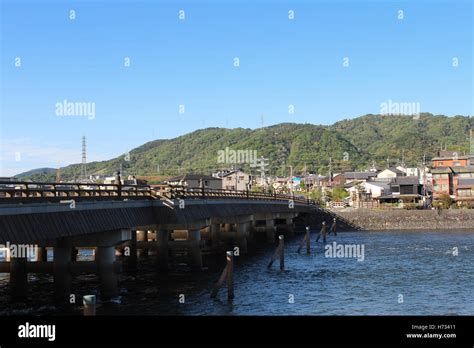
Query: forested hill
{"x": 350, "y": 144}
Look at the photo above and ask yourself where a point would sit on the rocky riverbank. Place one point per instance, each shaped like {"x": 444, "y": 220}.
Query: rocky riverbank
{"x": 377, "y": 220}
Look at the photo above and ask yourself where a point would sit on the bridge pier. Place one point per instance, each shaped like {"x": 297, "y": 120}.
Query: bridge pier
{"x": 162, "y": 238}
{"x": 270, "y": 230}
{"x": 18, "y": 278}
{"x": 194, "y": 249}
{"x": 105, "y": 258}
{"x": 130, "y": 254}
{"x": 241, "y": 236}
{"x": 142, "y": 236}
{"x": 74, "y": 253}
{"x": 41, "y": 254}
{"x": 290, "y": 227}
{"x": 215, "y": 236}
{"x": 62, "y": 277}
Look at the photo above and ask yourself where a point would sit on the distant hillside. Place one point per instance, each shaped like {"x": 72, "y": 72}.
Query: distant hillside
{"x": 37, "y": 174}
{"x": 351, "y": 144}
{"x": 383, "y": 137}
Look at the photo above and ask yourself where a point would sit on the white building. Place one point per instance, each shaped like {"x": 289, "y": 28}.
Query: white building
{"x": 373, "y": 188}
{"x": 389, "y": 174}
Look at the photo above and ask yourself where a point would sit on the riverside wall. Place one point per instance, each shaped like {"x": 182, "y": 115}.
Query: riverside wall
{"x": 401, "y": 219}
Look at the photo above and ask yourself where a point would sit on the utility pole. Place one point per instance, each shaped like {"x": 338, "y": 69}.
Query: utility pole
{"x": 291, "y": 179}
{"x": 330, "y": 170}
{"x": 424, "y": 180}
{"x": 471, "y": 142}
{"x": 262, "y": 167}
{"x": 58, "y": 174}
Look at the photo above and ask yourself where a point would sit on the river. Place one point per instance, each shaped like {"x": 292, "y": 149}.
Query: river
{"x": 402, "y": 273}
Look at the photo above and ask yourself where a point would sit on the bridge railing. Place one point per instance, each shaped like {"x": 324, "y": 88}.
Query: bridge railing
{"x": 19, "y": 191}
{"x": 182, "y": 192}
{"x": 29, "y": 192}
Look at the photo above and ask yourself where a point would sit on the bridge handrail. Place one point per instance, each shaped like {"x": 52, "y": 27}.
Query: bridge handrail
{"x": 31, "y": 191}
{"x": 185, "y": 192}
{"x": 25, "y": 190}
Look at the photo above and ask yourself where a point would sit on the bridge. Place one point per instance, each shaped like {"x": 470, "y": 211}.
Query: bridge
{"x": 125, "y": 220}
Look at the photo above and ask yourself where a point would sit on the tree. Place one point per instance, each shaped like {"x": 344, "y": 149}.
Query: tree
{"x": 339, "y": 194}
{"x": 445, "y": 201}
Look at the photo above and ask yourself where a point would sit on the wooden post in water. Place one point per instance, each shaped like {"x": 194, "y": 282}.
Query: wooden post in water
{"x": 230, "y": 274}
{"x": 322, "y": 233}
{"x": 333, "y": 227}
{"x": 89, "y": 302}
{"x": 279, "y": 252}
{"x": 227, "y": 274}
{"x": 282, "y": 253}
{"x": 307, "y": 240}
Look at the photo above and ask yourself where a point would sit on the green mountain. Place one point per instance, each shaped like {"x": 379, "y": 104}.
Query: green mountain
{"x": 345, "y": 145}
{"x": 37, "y": 174}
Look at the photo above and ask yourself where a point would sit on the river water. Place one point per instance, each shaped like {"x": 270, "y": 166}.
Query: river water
{"x": 402, "y": 273}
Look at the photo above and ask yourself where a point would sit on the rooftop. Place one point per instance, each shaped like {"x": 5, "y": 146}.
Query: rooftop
{"x": 186, "y": 177}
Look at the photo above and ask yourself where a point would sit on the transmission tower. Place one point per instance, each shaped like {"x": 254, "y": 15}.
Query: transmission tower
{"x": 84, "y": 159}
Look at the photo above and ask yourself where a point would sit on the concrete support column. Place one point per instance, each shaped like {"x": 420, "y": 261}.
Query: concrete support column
{"x": 228, "y": 227}
{"x": 18, "y": 278}
{"x": 251, "y": 233}
{"x": 142, "y": 236}
{"x": 242, "y": 231}
{"x": 41, "y": 254}
{"x": 105, "y": 258}
{"x": 215, "y": 236}
{"x": 162, "y": 251}
{"x": 194, "y": 249}
{"x": 62, "y": 276}
{"x": 74, "y": 253}
{"x": 290, "y": 226}
{"x": 130, "y": 252}
{"x": 270, "y": 230}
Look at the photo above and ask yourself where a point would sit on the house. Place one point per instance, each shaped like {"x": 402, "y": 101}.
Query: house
{"x": 452, "y": 159}
{"x": 465, "y": 190}
{"x": 453, "y": 181}
{"x": 406, "y": 185}
{"x": 372, "y": 189}
{"x": 442, "y": 178}
{"x": 359, "y": 176}
{"x": 338, "y": 180}
{"x": 462, "y": 182}
{"x": 403, "y": 189}
{"x": 409, "y": 171}
{"x": 280, "y": 184}
{"x": 389, "y": 174}
{"x": 196, "y": 181}
{"x": 236, "y": 180}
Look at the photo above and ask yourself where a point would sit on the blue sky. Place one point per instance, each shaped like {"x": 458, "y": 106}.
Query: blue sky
{"x": 190, "y": 62}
